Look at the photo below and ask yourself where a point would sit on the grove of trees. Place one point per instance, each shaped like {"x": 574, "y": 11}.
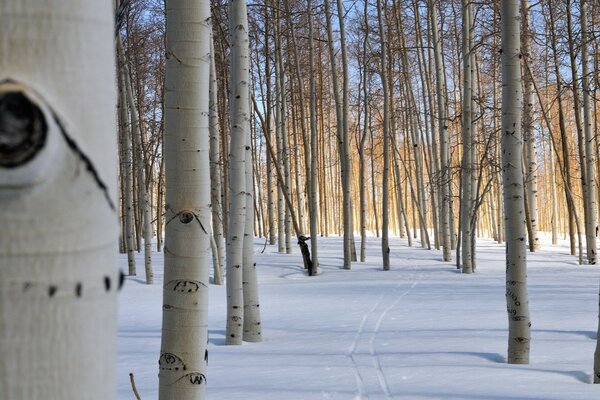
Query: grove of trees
{"x": 436, "y": 121}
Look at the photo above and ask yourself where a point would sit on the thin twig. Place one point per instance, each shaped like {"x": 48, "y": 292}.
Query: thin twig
{"x": 135, "y": 392}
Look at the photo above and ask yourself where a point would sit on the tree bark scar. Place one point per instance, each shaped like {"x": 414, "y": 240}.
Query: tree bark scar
{"x": 22, "y": 124}
{"x": 23, "y": 129}
{"x": 84, "y": 158}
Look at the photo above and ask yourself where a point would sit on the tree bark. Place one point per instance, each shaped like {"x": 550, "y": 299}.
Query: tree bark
{"x": 58, "y": 267}
{"x": 512, "y": 174}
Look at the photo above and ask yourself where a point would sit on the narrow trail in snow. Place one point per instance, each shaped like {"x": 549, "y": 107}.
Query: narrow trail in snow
{"x": 370, "y": 377}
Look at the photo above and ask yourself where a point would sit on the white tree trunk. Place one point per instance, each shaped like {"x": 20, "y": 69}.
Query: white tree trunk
{"x": 313, "y": 196}
{"x": 127, "y": 171}
{"x": 144, "y": 197}
{"x": 512, "y": 174}
{"x": 252, "y": 324}
{"x": 215, "y": 173}
{"x": 466, "y": 166}
{"x": 58, "y": 242}
{"x": 385, "y": 245}
{"x": 444, "y": 180}
{"x": 240, "y": 131}
{"x": 528, "y": 132}
{"x": 183, "y": 357}
{"x": 590, "y": 145}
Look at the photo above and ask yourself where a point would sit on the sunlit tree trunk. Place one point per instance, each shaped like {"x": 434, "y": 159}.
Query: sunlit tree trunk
{"x": 530, "y": 154}
{"x": 512, "y": 174}
{"x": 385, "y": 245}
{"x": 590, "y": 143}
{"x": 444, "y": 180}
{"x": 58, "y": 187}
{"x": 341, "y": 131}
{"x": 314, "y": 206}
{"x": 467, "y": 162}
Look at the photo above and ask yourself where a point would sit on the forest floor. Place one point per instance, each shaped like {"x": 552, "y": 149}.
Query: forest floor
{"x": 419, "y": 331}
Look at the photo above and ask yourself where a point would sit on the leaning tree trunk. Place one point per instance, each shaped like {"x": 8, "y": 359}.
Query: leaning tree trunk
{"x": 58, "y": 267}
{"x": 183, "y": 355}
{"x": 512, "y": 174}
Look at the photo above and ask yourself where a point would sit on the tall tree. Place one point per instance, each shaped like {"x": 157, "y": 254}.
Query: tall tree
{"x": 529, "y": 153}
{"x": 466, "y": 198}
{"x": 385, "y": 245}
{"x": 58, "y": 269}
{"x": 512, "y": 176}
{"x": 184, "y": 353}
{"x": 444, "y": 179}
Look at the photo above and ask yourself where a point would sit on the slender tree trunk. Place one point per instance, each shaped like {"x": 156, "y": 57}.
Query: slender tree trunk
{"x": 127, "y": 166}
{"x": 314, "y": 206}
{"x": 516, "y": 263}
{"x": 238, "y": 207}
{"x": 563, "y": 131}
{"x": 215, "y": 173}
{"x": 144, "y": 198}
{"x": 252, "y": 323}
{"x": 467, "y": 162}
{"x": 589, "y": 185}
{"x": 59, "y": 279}
{"x": 385, "y": 245}
{"x": 528, "y": 132}
{"x": 340, "y": 119}
{"x": 444, "y": 180}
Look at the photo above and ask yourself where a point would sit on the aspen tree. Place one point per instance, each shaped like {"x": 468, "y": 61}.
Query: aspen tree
{"x": 126, "y": 171}
{"x": 215, "y": 172}
{"x": 314, "y": 206}
{"x": 385, "y": 245}
{"x": 512, "y": 174}
{"x": 590, "y": 143}
{"x": 363, "y": 140}
{"x": 58, "y": 267}
{"x": 140, "y": 171}
{"x": 530, "y": 155}
{"x": 444, "y": 180}
{"x": 467, "y": 162}
{"x": 184, "y": 354}
{"x": 341, "y": 119}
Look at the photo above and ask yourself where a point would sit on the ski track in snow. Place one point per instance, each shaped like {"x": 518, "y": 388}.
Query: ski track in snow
{"x": 380, "y": 304}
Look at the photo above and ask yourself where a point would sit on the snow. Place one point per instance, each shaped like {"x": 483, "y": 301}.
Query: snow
{"x": 419, "y": 331}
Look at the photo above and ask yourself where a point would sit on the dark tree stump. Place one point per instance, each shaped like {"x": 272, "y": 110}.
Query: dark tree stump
{"x": 308, "y": 265}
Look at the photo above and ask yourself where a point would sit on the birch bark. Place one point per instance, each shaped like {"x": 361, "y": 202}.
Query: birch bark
{"x": 385, "y": 245}
{"x": 444, "y": 180}
{"x": 512, "y": 174}
{"x": 215, "y": 172}
{"x": 240, "y": 206}
{"x": 184, "y": 354}
{"x": 58, "y": 269}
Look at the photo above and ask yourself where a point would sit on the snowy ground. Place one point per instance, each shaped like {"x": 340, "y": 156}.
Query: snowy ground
{"x": 419, "y": 331}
